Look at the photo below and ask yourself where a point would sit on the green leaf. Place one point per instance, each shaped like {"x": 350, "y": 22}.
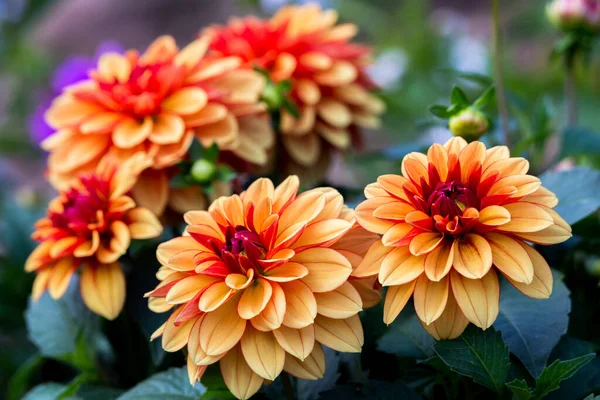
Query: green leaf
{"x": 480, "y": 355}
{"x": 558, "y": 371}
{"x": 91, "y": 392}
{"x": 374, "y": 389}
{"x": 180, "y": 182}
{"x": 290, "y": 107}
{"x": 486, "y": 98}
{"x": 578, "y": 192}
{"x": 578, "y": 140}
{"x": 211, "y": 153}
{"x": 46, "y": 391}
{"x": 440, "y": 111}
{"x": 458, "y": 97}
{"x": 172, "y": 384}
{"x": 587, "y": 379}
{"x": 55, "y": 327}
{"x": 406, "y": 337}
{"x": 224, "y": 173}
{"x": 215, "y": 386}
{"x": 519, "y": 389}
{"x": 19, "y": 382}
{"x": 532, "y": 339}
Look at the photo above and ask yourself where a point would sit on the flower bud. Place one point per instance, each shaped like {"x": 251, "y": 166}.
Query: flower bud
{"x": 573, "y": 15}
{"x": 469, "y": 124}
{"x": 203, "y": 170}
{"x": 272, "y": 96}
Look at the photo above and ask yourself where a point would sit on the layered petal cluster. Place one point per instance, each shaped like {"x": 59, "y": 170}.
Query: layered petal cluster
{"x": 451, "y": 222}
{"x": 305, "y": 44}
{"x": 88, "y": 227}
{"x": 260, "y": 282}
{"x": 156, "y": 103}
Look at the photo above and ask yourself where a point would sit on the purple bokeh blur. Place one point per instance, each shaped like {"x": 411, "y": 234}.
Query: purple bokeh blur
{"x": 74, "y": 69}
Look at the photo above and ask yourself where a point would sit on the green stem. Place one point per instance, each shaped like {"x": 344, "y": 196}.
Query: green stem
{"x": 497, "y": 56}
{"x": 570, "y": 91}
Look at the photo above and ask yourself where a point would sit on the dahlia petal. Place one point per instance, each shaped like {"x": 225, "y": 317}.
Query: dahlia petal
{"x": 255, "y": 299}
{"x": 40, "y": 283}
{"x": 195, "y": 352}
{"x": 185, "y": 260}
{"x": 186, "y": 101}
{"x": 58, "y": 139}
{"x": 365, "y": 215}
{"x": 194, "y": 371}
{"x": 506, "y": 167}
{"x": 61, "y": 275}
{"x": 191, "y": 54}
{"x": 554, "y": 234}
{"x": 290, "y": 235}
{"x": 414, "y": 167}
{"x": 287, "y": 272}
{"x": 204, "y": 233}
{"x": 494, "y": 216}
{"x": 114, "y": 66}
{"x": 334, "y": 113}
{"x": 541, "y": 285}
{"x": 455, "y": 145}
{"x": 152, "y": 191}
{"x": 316, "y": 60}
{"x": 65, "y": 246}
{"x": 159, "y": 305}
{"x": 311, "y": 367}
{"x": 439, "y": 261}
{"x": 167, "y": 129}
{"x": 334, "y": 207}
{"x": 130, "y": 133}
{"x": 209, "y": 114}
{"x": 242, "y": 86}
{"x": 213, "y": 68}
{"x": 477, "y": 298}
{"x": 187, "y": 288}
{"x": 510, "y": 257}
{"x": 494, "y": 154}
{"x": 272, "y": 316}
{"x": 102, "y": 288}
{"x": 438, "y": 157}
{"x": 100, "y": 123}
{"x": 308, "y": 91}
{"x": 542, "y": 196}
{"x": 67, "y": 111}
{"x": 80, "y": 151}
{"x": 176, "y": 245}
{"x": 143, "y": 224}
{"x": 240, "y": 281}
{"x": 345, "y": 335}
{"x": 471, "y": 158}
{"x": 396, "y": 211}
{"x": 525, "y": 184}
{"x": 395, "y": 300}
{"x": 290, "y": 125}
{"x": 285, "y": 193}
{"x": 526, "y": 217}
{"x": 394, "y": 185}
{"x": 283, "y": 67}
{"x": 343, "y": 302}
{"x": 400, "y": 267}
{"x": 221, "y": 329}
{"x": 322, "y": 233}
{"x": 239, "y": 378}
{"x": 450, "y": 325}
{"x": 473, "y": 256}
{"x": 338, "y": 138}
{"x": 371, "y": 263}
{"x": 301, "y": 306}
{"x": 214, "y": 296}
{"x": 259, "y": 190}
{"x": 424, "y": 243}
{"x": 326, "y": 268}
{"x": 262, "y": 353}
{"x": 297, "y": 342}
{"x": 89, "y": 247}
{"x": 305, "y": 149}
{"x": 340, "y": 73}
{"x": 396, "y": 233}
{"x": 430, "y": 298}
{"x": 303, "y": 209}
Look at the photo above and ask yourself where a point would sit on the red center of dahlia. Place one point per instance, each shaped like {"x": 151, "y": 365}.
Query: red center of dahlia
{"x": 85, "y": 208}
{"x": 450, "y": 199}
{"x": 148, "y": 85}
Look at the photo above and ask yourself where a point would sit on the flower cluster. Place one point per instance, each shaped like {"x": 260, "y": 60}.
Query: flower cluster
{"x": 569, "y": 15}
{"x": 260, "y": 282}
{"x": 89, "y": 226}
{"x": 329, "y": 86}
{"x": 455, "y": 218}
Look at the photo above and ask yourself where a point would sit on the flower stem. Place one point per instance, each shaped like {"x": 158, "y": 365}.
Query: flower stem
{"x": 288, "y": 389}
{"x": 497, "y": 56}
{"x": 570, "y": 92}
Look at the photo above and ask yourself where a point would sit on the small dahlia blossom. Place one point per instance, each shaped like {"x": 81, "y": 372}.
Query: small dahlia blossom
{"x": 156, "y": 103}
{"x": 574, "y": 14}
{"x": 88, "y": 227}
{"x": 330, "y": 88}
{"x": 260, "y": 282}
{"x": 454, "y": 219}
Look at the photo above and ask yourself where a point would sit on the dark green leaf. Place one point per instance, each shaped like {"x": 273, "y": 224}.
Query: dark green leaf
{"x": 224, "y": 173}
{"x": 519, "y": 389}
{"x": 486, "y": 98}
{"x": 180, "y": 182}
{"x": 290, "y": 107}
{"x": 55, "y": 327}
{"x": 587, "y": 379}
{"x": 407, "y": 338}
{"x": 532, "y": 339}
{"x": 172, "y": 384}
{"x": 458, "y": 97}
{"x": 592, "y": 397}
{"x": 373, "y": 390}
{"x": 578, "y": 192}
{"x": 19, "y": 382}
{"x": 90, "y": 392}
{"x": 46, "y": 391}
{"x": 578, "y": 140}
{"x": 440, "y": 111}
{"x": 211, "y": 153}
{"x": 559, "y": 370}
{"x": 480, "y": 355}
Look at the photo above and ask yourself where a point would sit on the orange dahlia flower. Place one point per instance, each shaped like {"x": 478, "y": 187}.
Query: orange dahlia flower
{"x": 329, "y": 85}
{"x": 260, "y": 282}
{"x": 454, "y": 219}
{"x": 90, "y": 225}
{"x": 156, "y": 103}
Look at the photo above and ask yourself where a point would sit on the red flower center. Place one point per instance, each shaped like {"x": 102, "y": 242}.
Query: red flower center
{"x": 450, "y": 199}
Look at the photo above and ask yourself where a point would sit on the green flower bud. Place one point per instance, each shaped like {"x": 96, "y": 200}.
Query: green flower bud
{"x": 272, "y": 96}
{"x": 469, "y": 124}
{"x": 203, "y": 171}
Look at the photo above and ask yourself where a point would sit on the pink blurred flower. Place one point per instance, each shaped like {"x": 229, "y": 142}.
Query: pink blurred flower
{"x": 571, "y": 15}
